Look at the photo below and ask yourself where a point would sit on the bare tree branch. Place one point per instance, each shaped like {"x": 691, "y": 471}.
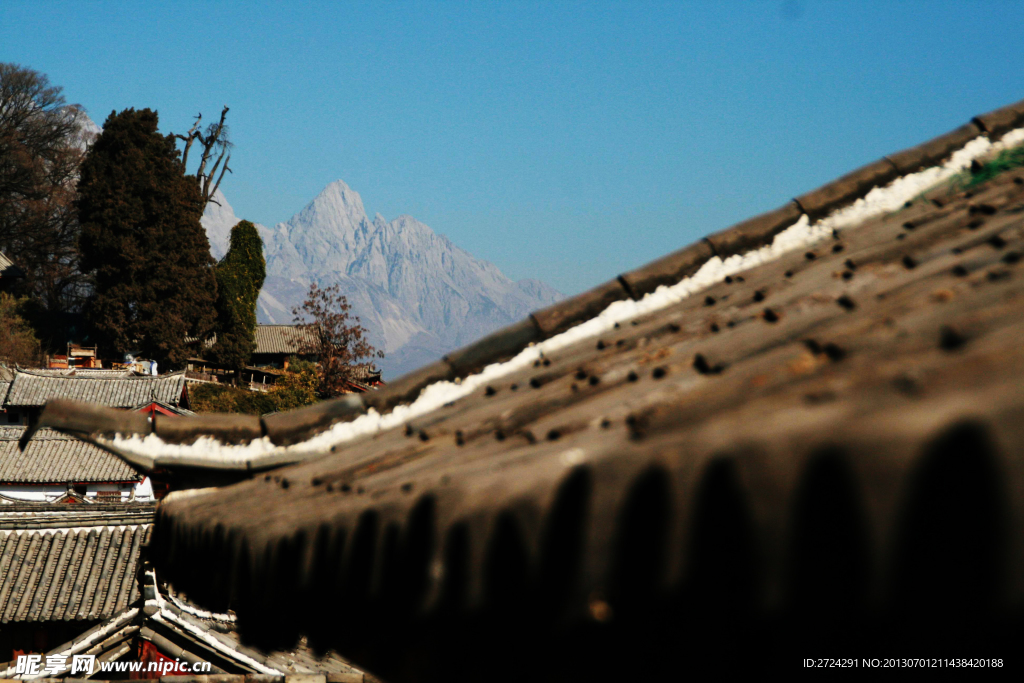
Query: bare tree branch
{"x": 213, "y": 171}
{"x": 217, "y": 186}
{"x": 337, "y": 340}
{"x": 215, "y": 140}
{"x": 189, "y": 138}
{"x": 42, "y": 144}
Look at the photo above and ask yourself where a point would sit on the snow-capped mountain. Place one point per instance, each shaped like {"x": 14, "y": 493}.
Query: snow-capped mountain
{"x": 417, "y": 293}
{"x": 88, "y": 130}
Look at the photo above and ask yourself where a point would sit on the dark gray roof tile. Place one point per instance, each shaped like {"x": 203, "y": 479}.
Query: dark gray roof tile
{"x": 35, "y": 388}
{"x": 839, "y": 423}
{"x": 55, "y": 458}
{"x": 66, "y": 573}
{"x": 282, "y": 338}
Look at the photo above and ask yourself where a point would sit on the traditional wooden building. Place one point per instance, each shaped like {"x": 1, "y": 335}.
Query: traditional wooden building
{"x": 73, "y": 582}
{"x": 11, "y": 275}
{"x": 58, "y": 468}
{"x": 275, "y": 344}
{"x": 55, "y": 467}
{"x": 29, "y": 390}
{"x": 65, "y": 570}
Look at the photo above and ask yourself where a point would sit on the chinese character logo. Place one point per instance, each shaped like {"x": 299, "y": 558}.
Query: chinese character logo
{"x": 82, "y": 664}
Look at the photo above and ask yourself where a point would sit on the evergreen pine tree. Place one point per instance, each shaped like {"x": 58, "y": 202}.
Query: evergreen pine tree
{"x": 240, "y": 276}
{"x": 142, "y": 243}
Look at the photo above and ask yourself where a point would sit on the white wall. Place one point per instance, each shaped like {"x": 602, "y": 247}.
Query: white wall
{"x": 42, "y": 493}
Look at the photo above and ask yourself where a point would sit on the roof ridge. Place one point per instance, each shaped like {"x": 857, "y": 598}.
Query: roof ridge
{"x": 166, "y": 375}
{"x": 746, "y": 237}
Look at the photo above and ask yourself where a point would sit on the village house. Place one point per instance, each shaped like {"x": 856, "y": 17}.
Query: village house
{"x": 77, "y": 357}
{"x": 10, "y": 274}
{"x": 75, "y": 581}
{"x": 276, "y": 346}
{"x": 57, "y": 468}
{"x": 28, "y": 391}
{"x": 75, "y": 521}
{"x": 66, "y": 569}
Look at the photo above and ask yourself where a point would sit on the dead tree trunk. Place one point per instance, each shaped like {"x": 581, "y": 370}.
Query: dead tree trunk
{"x": 215, "y": 142}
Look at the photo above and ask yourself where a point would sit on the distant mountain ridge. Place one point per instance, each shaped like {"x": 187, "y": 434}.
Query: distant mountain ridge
{"x": 417, "y": 293}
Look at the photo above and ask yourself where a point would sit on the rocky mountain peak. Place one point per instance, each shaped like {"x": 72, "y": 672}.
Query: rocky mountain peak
{"x": 338, "y": 207}
{"x": 218, "y": 219}
{"x": 417, "y": 293}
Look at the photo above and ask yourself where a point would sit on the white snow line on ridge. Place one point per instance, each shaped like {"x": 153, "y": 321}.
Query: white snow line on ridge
{"x": 168, "y": 617}
{"x": 800, "y": 235}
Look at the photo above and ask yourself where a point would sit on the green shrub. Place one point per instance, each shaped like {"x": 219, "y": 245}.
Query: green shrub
{"x": 240, "y": 275}
{"x": 300, "y": 365}
{"x": 292, "y": 390}
{"x": 224, "y": 398}
{"x": 979, "y": 173}
{"x": 1006, "y": 160}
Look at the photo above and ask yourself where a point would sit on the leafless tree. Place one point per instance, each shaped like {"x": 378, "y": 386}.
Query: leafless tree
{"x": 337, "y": 338}
{"x": 215, "y": 142}
{"x": 18, "y": 344}
{"x": 42, "y": 144}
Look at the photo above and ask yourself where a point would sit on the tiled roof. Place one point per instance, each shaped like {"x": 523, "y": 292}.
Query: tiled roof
{"x": 30, "y": 515}
{"x": 102, "y": 373}
{"x": 178, "y": 633}
{"x": 213, "y": 638}
{"x": 6, "y": 375}
{"x": 65, "y": 574}
{"x": 826, "y": 443}
{"x": 282, "y": 338}
{"x": 8, "y": 267}
{"x": 55, "y": 458}
{"x": 366, "y": 372}
{"x": 32, "y": 388}
{"x": 177, "y": 627}
{"x": 107, "y": 641}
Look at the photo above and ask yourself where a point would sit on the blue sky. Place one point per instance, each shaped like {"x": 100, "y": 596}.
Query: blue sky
{"x": 563, "y": 141}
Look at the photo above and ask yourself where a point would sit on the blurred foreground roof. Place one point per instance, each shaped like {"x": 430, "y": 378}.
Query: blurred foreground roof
{"x": 824, "y": 449}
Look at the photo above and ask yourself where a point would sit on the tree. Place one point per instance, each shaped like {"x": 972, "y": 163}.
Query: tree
{"x": 18, "y": 344}
{"x": 215, "y": 142}
{"x": 142, "y": 242}
{"x": 337, "y": 337}
{"x": 42, "y": 143}
{"x": 240, "y": 276}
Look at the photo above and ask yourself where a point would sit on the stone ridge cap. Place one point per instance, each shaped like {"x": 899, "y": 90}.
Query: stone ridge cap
{"x": 100, "y": 378}
{"x": 741, "y": 238}
{"x": 133, "y": 507}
